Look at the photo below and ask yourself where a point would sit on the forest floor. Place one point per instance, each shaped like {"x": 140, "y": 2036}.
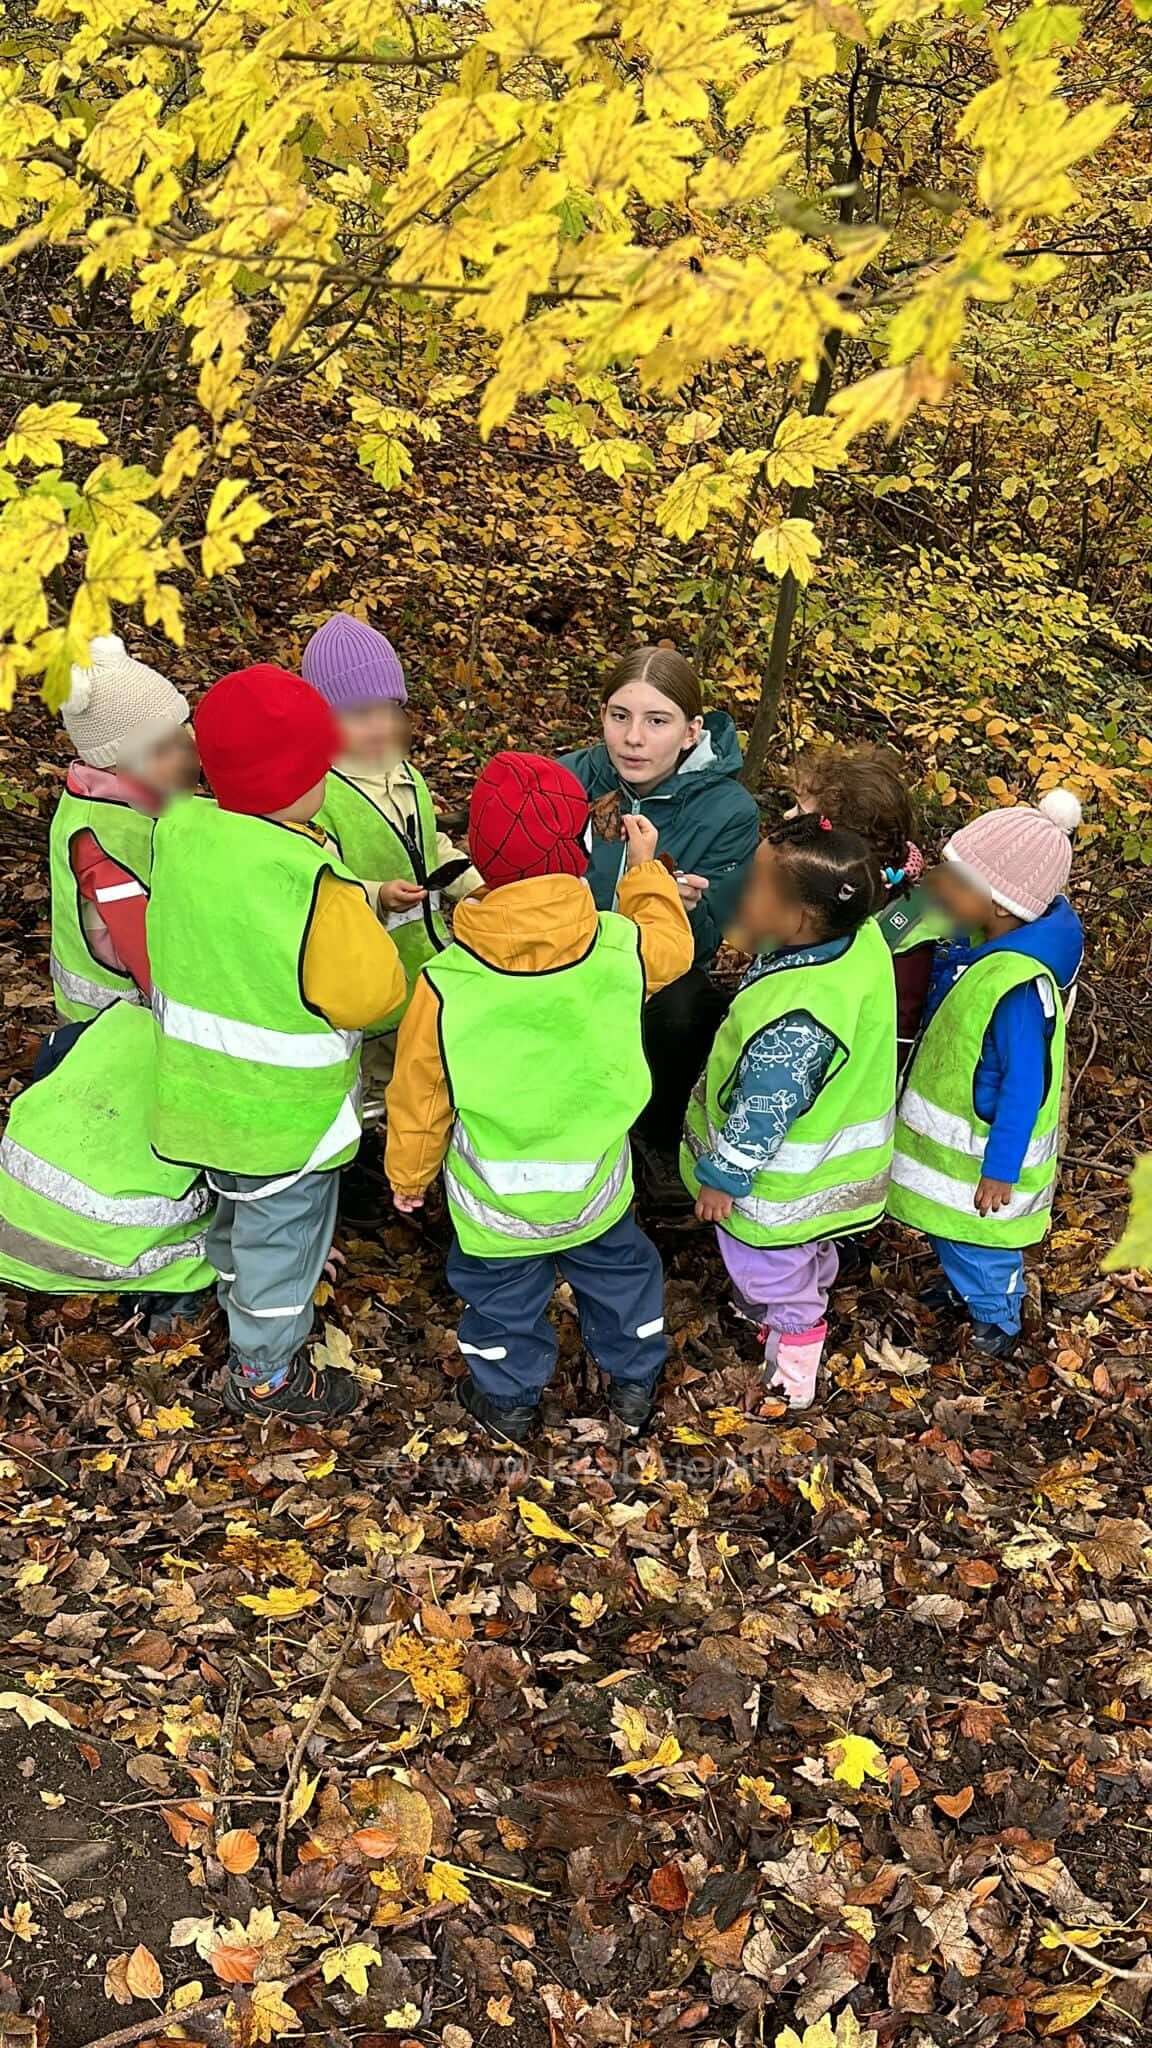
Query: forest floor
{"x": 876, "y": 1685}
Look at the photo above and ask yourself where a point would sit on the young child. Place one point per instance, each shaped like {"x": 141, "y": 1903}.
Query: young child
{"x": 85, "y": 1205}
{"x": 267, "y": 963}
{"x": 977, "y": 1138}
{"x": 788, "y": 1140}
{"x": 862, "y": 789}
{"x": 127, "y": 724}
{"x": 378, "y": 813}
{"x": 521, "y": 1063}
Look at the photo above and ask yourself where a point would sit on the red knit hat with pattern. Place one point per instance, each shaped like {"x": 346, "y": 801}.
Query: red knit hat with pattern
{"x": 528, "y": 816}
{"x": 265, "y": 738}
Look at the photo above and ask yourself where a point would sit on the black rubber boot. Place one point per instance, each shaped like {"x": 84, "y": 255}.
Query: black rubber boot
{"x": 305, "y": 1396}
{"x": 632, "y": 1402}
{"x": 941, "y": 1297}
{"x": 503, "y": 1425}
{"x": 658, "y": 1175}
{"x": 991, "y": 1341}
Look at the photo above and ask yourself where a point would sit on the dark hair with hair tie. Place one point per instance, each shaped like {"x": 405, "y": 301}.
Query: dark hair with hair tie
{"x": 831, "y": 873}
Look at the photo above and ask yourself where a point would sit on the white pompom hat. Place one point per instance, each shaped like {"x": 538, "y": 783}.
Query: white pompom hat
{"x": 119, "y": 708}
{"x": 1021, "y": 856}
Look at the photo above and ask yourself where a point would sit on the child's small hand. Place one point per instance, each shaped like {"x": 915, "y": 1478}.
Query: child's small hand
{"x": 992, "y": 1195}
{"x": 641, "y": 835}
{"x": 408, "y": 1204}
{"x": 692, "y": 888}
{"x": 713, "y": 1205}
{"x": 399, "y": 896}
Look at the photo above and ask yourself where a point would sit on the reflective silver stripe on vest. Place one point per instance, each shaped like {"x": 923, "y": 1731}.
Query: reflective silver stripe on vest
{"x": 857, "y": 1194}
{"x": 950, "y": 1193}
{"x": 835, "y": 1201}
{"x": 77, "y": 988}
{"x": 527, "y": 1176}
{"x": 133, "y": 1212}
{"x": 791, "y": 1158}
{"x": 414, "y": 915}
{"x": 945, "y": 1128}
{"x": 488, "y": 1217}
{"x": 252, "y": 1042}
{"x": 78, "y": 1266}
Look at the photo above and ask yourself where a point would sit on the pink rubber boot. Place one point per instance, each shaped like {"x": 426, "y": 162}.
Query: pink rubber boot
{"x": 796, "y": 1356}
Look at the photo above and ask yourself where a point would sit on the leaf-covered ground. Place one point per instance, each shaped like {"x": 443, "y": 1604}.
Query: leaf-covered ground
{"x": 385, "y": 1738}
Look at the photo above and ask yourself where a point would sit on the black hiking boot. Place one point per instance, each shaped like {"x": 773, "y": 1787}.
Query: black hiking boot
{"x": 503, "y": 1425}
{"x": 658, "y": 1173}
{"x": 991, "y": 1341}
{"x": 166, "y": 1314}
{"x": 632, "y": 1402}
{"x": 942, "y": 1299}
{"x": 305, "y": 1396}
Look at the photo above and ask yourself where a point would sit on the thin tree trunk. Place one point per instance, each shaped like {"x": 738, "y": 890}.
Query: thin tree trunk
{"x": 801, "y": 497}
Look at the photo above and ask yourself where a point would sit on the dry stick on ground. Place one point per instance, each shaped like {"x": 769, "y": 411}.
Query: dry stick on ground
{"x": 306, "y": 1734}
{"x": 141, "y": 2029}
{"x": 218, "y": 1825}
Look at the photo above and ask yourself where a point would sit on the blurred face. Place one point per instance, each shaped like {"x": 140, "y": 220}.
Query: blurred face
{"x": 645, "y": 734}
{"x": 374, "y": 733}
{"x": 769, "y": 913}
{"x": 305, "y": 807}
{"x": 968, "y": 905}
{"x": 172, "y": 765}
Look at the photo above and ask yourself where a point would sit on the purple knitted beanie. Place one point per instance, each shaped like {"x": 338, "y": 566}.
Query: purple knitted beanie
{"x": 351, "y": 663}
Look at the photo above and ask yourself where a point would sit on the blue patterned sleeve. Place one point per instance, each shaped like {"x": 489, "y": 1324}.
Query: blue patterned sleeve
{"x": 780, "y": 1076}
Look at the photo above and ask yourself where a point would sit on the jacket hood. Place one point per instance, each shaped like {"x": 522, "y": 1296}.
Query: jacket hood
{"x": 715, "y": 757}
{"x": 529, "y": 927}
{"x": 1056, "y": 940}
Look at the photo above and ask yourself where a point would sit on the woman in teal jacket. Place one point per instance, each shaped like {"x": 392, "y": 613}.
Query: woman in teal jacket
{"x": 663, "y": 756}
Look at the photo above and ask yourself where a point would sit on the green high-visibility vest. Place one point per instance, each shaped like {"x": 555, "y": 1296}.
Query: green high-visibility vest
{"x": 912, "y": 920}
{"x": 940, "y": 1140}
{"x": 547, "y": 1075}
{"x": 83, "y": 985}
{"x": 249, "y": 1079}
{"x": 85, "y": 1205}
{"x": 371, "y": 846}
{"x": 830, "y": 1175}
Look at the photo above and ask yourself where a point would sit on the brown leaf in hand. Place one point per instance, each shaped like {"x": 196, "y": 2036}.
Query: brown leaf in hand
{"x": 605, "y": 815}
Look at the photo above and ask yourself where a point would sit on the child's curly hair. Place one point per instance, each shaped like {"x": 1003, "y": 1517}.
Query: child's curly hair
{"x": 859, "y": 789}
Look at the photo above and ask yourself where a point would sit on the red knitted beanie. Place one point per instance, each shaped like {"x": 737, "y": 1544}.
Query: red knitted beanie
{"x": 528, "y": 816}
{"x": 265, "y": 737}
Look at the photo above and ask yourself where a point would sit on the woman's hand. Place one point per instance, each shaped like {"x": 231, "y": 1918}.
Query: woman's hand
{"x": 692, "y": 888}
{"x": 713, "y": 1205}
{"x": 641, "y": 835}
{"x": 393, "y": 896}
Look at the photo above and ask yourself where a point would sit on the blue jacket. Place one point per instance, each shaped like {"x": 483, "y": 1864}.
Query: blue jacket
{"x": 1012, "y": 1074}
{"x": 707, "y": 822}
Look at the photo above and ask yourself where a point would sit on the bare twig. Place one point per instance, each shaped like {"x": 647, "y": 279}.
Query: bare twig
{"x": 229, "y": 1725}
{"x": 141, "y": 2029}
{"x": 307, "y": 1732}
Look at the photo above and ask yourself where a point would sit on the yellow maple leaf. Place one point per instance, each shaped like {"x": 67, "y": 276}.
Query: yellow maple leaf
{"x": 268, "y": 2017}
{"x": 802, "y": 444}
{"x": 545, "y": 29}
{"x": 787, "y": 547}
{"x": 281, "y": 1603}
{"x": 184, "y": 458}
{"x": 232, "y": 519}
{"x": 540, "y": 1523}
{"x": 350, "y": 1965}
{"x": 447, "y": 1881}
{"x": 38, "y": 431}
{"x": 854, "y": 1758}
{"x": 20, "y": 1922}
